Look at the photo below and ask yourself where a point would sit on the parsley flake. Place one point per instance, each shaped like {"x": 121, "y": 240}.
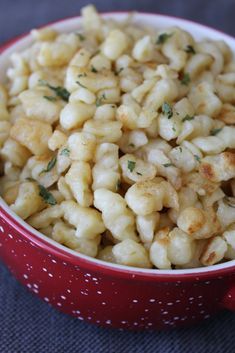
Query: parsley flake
{"x": 80, "y": 84}
{"x": 99, "y": 100}
{"x": 190, "y": 49}
{"x": 81, "y": 36}
{"x": 166, "y": 165}
{"x": 50, "y": 165}
{"x": 185, "y": 79}
{"x": 65, "y": 152}
{"x": 138, "y": 173}
{"x": 131, "y": 145}
{"x": 131, "y": 165}
{"x": 59, "y": 91}
{"x": 167, "y": 110}
{"x": 47, "y": 195}
{"x": 214, "y": 132}
{"x": 162, "y": 38}
{"x": 119, "y": 71}
{"x": 93, "y": 69}
{"x": 50, "y": 98}
{"x": 180, "y": 148}
{"x": 198, "y": 159}
{"x": 187, "y": 118}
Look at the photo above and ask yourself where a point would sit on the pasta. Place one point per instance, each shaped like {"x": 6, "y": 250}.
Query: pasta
{"x": 118, "y": 142}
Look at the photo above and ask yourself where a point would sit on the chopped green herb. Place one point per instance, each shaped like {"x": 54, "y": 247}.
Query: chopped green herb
{"x": 118, "y": 185}
{"x": 50, "y": 98}
{"x": 131, "y": 165}
{"x": 230, "y": 201}
{"x": 93, "y": 69}
{"x": 187, "y": 118}
{"x": 190, "y": 49}
{"x": 80, "y": 84}
{"x": 50, "y": 165}
{"x": 81, "y": 36}
{"x": 138, "y": 173}
{"x": 180, "y": 149}
{"x": 30, "y": 179}
{"x": 82, "y": 75}
{"x": 167, "y": 110}
{"x": 174, "y": 129}
{"x": 168, "y": 165}
{"x": 131, "y": 145}
{"x": 118, "y": 71}
{"x": 214, "y": 132}
{"x": 113, "y": 106}
{"x": 185, "y": 79}
{"x": 59, "y": 91}
{"x": 198, "y": 159}
{"x": 162, "y": 38}
{"x": 99, "y": 100}
{"x": 65, "y": 152}
{"x": 47, "y": 195}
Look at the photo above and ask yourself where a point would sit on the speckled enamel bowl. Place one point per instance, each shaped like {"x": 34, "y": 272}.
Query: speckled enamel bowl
{"x": 108, "y": 294}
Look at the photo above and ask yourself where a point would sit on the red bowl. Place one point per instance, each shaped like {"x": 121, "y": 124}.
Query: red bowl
{"x": 109, "y": 294}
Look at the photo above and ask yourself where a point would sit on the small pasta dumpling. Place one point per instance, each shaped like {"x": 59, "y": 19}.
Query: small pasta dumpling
{"x": 14, "y": 152}
{"x": 197, "y": 64}
{"x": 199, "y": 224}
{"x": 33, "y": 134}
{"x": 73, "y": 115}
{"x": 9, "y": 191}
{"x": 64, "y": 189}
{"x": 115, "y": 44}
{"x": 117, "y": 217}
{"x": 165, "y": 167}
{"x": 105, "y": 172}
{"x": 104, "y": 131}
{"x": 40, "y": 104}
{"x": 132, "y": 120}
{"x": 227, "y": 114}
{"x": 105, "y": 112}
{"x": 81, "y": 58}
{"x": 75, "y": 215}
{"x": 82, "y": 95}
{"x": 44, "y": 34}
{"x": 210, "y": 48}
{"x": 204, "y": 100}
{"x": 183, "y": 158}
{"x": 46, "y": 217}
{"x": 106, "y": 254}
{"x": 226, "y": 135}
{"x": 143, "y": 49}
{"x": 79, "y": 180}
{"x": 28, "y": 200}
{"x": 158, "y": 249}
{"x": 187, "y": 197}
{"x": 174, "y": 47}
{"x": 150, "y": 196}
{"x": 218, "y": 167}
{"x": 129, "y": 252}
{"x": 225, "y": 86}
{"x": 146, "y": 226}
{"x": 210, "y": 144}
{"x": 5, "y": 127}
{"x": 132, "y": 140}
{"x": 199, "y": 184}
{"x": 81, "y": 146}
{"x": 180, "y": 248}
{"x": 214, "y": 251}
{"x": 225, "y": 211}
{"x": 65, "y": 234}
{"x": 55, "y": 53}
{"x": 57, "y": 140}
{"x": 229, "y": 237}
{"x": 135, "y": 169}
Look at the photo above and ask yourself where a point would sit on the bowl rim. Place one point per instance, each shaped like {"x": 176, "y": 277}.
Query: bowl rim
{"x": 70, "y": 256}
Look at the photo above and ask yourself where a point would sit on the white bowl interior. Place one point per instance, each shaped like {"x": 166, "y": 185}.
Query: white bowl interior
{"x": 159, "y": 22}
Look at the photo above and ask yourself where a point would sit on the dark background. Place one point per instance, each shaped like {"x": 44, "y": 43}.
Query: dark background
{"x": 29, "y": 326}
